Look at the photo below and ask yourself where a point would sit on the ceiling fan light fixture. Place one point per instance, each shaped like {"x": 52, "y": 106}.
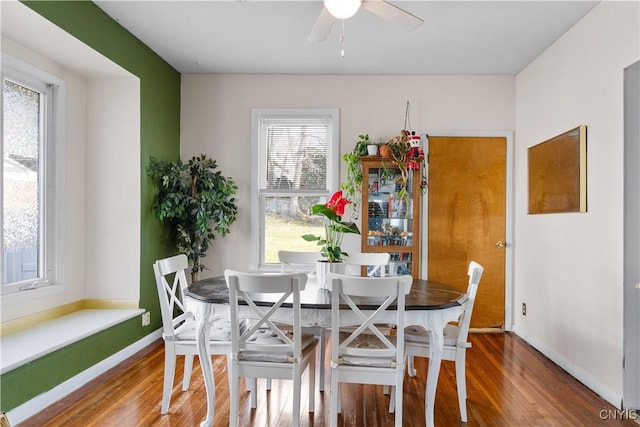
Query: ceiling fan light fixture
{"x": 342, "y": 9}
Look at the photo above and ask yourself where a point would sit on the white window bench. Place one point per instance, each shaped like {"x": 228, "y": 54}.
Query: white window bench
{"x": 22, "y": 347}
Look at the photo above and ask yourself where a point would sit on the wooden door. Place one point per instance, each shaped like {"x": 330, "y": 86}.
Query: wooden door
{"x": 466, "y": 219}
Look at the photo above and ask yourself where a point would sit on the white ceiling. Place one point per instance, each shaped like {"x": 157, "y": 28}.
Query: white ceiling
{"x": 258, "y": 36}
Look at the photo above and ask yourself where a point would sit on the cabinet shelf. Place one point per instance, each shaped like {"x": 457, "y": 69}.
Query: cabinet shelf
{"x": 391, "y": 223}
{"x": 382, "y": 240}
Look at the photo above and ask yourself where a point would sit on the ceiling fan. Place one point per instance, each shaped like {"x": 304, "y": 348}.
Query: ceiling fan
{"x": 343, "y": 9}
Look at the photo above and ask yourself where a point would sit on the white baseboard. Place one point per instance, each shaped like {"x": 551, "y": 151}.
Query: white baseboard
{"x": 40, "y": 402}
{"x": 585, "y": 378}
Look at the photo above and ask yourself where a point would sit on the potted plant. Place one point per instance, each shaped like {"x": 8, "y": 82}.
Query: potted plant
{"x": 407, "y": 158}
{"x": 335, "y": 229}
{"x": 372, "y": 149}
{"x": 399, "y": 150}
{"x": 196, "y": 201}
{"x": 384, "y": 151}
{"x": 353, "y": 183}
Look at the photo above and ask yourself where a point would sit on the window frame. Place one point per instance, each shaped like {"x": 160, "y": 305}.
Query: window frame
{"x": 258, "y": 194}
{"x": 50, "y": 169}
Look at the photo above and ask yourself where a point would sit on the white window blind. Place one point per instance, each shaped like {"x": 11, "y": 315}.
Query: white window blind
{"x": 296, "y": 164}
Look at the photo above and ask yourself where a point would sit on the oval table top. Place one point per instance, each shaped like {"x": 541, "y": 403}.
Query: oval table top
{"x": 424, "y": 295}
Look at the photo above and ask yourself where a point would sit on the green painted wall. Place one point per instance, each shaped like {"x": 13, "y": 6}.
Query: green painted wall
{"x": 159, "y": 137}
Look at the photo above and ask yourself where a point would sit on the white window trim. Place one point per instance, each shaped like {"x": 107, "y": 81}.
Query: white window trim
{"x": 333, "y": 167}
{"x": 54, "y": 224}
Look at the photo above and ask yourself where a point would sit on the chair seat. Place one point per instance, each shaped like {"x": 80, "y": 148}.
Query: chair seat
{"x": 361, "y": 344}
{"x": 418, "y": 334}
{"x": 265, "y": 337}
{"x": 220, "y": 331}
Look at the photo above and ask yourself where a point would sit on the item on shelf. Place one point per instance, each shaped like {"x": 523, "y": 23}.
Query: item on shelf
{"x": 385, "y": 152}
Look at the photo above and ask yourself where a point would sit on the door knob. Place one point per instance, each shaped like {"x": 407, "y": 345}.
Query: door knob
{"x": 500, "y": 244}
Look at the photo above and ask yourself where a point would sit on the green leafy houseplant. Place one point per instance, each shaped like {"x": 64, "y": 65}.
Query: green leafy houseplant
{"x": 196, "y": 201}
{"x": 353, "y": 183}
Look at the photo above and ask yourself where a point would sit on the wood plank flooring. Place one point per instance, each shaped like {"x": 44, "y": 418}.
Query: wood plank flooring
{"x": 509, "y": 383}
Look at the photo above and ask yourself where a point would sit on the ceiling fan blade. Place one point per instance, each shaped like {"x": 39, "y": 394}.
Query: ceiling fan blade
{"x": 322, "y": 27}
{"x": 393, "y": 14}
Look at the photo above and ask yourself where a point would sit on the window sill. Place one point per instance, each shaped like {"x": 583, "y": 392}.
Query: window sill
{"x": 22, "y": 347}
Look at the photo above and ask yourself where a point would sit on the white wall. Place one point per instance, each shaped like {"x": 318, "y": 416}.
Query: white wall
{"x": 568, "y": 267}
{"x": 112, "y": 192}
{"x": 215, "y": 120}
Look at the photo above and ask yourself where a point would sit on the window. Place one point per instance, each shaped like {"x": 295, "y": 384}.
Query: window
{"x": 295, "y": 165}
{"x": 28, "y": 210}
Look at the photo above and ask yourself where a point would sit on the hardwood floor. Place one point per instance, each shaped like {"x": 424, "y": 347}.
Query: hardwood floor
{"x": 509, "y": 383}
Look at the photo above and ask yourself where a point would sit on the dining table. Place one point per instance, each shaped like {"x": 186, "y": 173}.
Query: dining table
{"x": 429, "y": 304}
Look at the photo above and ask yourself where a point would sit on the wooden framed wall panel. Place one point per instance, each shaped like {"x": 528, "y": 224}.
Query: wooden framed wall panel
{"x": 558, "y": 173}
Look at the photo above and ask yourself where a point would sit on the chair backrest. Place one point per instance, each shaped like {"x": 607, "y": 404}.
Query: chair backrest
{"x": 258, "y": 334}
{"x": 172, "y": 295}
{"x": 384, "y": 290}
{"x": 475, "y": 273}
{"x": 291, "y": 261}
{"x": 377, "y": 262}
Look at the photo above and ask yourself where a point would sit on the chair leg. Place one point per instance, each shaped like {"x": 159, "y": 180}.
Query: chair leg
{"x": 398, "y": 399}
{"x": 297, "y": 388}
{"x": 188, "y": 368}
{"x": 169, "y": 372}
{"x": 461, "y": 383}
{"x": 253, "y": 393}
{"x": 323, "y": 347}
{"x": 392, "y": 398}
{"x": 234, "y": 386}
{"x": 335, "y": 399}
{"x": 250, "y": 383}
{"x": 411, "y": 370}
{"x": 312, "y": 383}
{"x": 229, "y": 373}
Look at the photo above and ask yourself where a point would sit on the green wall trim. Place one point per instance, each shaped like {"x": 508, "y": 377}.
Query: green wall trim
{"x": 159, "y": 137}
{"x": 57, "y": 367}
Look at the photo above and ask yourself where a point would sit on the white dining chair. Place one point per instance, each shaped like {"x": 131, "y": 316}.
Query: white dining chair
{"x": 366, "y": 355}
{"x": 305, "y": 261}
{"x": 455, "y": 340}
{"x": 260, "y": 348}
{"x": 376, "y": 262}
{"x": 179, "y": 324}
{"x": 299, "y": 261}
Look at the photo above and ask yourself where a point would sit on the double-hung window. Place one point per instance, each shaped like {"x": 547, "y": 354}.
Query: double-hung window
{"x": 28, "y": 184}
{"x": 295, "y": 164}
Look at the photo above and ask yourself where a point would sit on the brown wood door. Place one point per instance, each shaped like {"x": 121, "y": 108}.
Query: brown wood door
{"x": 467, "y": 217}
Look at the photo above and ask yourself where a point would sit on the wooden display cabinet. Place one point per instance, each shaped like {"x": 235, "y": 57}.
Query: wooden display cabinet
{"x": 391, "y": 223}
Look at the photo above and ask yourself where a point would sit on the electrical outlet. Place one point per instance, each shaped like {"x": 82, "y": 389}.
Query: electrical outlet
{"x": 524, "y": 309}
{"x": 146, "y": 318}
